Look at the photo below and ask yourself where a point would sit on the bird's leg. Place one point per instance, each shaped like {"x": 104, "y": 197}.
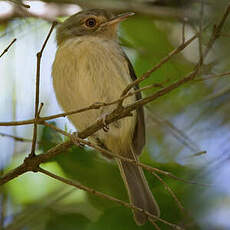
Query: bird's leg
{"x": 103, "y": 118}
{"x": 75, "y": 139}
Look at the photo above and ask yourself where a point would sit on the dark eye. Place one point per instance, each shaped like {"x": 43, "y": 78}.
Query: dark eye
{"x": 91, "y": 22}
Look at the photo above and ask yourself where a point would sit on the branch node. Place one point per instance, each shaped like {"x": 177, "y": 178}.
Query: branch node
{"x": 39, "y": 55}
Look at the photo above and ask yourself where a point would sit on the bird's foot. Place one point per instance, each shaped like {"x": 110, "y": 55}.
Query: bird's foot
{"x": 76, "y": 141}
{"x": 103, "y": 117}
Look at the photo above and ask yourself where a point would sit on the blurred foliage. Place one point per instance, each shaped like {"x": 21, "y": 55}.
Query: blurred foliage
{"x": 87, "y": 167}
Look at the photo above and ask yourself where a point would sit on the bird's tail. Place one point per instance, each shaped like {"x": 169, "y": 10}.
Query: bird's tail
{"x": 138, "y": 189}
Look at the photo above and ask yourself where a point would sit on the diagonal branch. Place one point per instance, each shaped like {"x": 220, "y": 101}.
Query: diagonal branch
{"x": 93, "y": 106}
{"x": 7, "y": 48}
{"x": 124, "y": 94}
{"x": 216, "y": 33}
{"x": 107, "y": 152}
{"x": 163, "y": 61}
{"x": 112, "y": 154}
{"x": 105, "y": 196}
{"x": 16, "y": 138}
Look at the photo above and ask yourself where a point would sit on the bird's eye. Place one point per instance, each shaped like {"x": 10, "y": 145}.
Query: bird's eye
{"x": 91, "y": 22}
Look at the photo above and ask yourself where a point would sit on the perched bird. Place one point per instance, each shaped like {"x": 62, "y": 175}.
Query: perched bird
{"x": 89, "y": 67}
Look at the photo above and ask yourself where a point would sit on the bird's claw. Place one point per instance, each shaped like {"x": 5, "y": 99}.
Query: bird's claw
{"x": 76, "y": 141}
{"x": 105, "y": 126}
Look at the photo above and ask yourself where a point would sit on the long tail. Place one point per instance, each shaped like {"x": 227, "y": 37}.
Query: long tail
{"x": 138, "y": 189}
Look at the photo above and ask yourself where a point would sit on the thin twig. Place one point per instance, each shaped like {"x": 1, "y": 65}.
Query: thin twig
{"x": 171, "y": 193}
{"x": 163, "y": 61}
{"x": 7, "y": 48}
{"x": 21, "y": 139}
{"x": 216, "y": 33}
{"x": 212, "y": 77}
{"x": 16, "y": 138}
{"x": 17, "y": 123}
{"x": 171, "y": 128}
{"x": 154, "y": 224}
{"x": 36, "y": 115}
{"x": 105, "y": 196}
{"x": 183, "y": 29}
{"x": 195, "y": 154}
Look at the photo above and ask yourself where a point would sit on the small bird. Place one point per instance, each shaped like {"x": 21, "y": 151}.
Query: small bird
{"x": 90, "y": 67}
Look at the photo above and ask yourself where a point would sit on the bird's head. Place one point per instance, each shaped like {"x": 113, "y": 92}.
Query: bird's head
{"x": 96, "y": 22}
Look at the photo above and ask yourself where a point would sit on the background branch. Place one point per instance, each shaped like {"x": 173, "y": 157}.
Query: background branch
{"x": 7, "y": 48}
{"x": 39, "y": 56}
{"x": 105, "y": 196}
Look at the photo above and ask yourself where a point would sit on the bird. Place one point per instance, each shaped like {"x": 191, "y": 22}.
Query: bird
{"x": 89, "y": 67}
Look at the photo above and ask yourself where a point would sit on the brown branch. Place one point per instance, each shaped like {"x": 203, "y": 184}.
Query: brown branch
{"x": 99, "y": 105}
{"x": 195, "y": 154}
{"x": 7, "y": 48}
{"x": 32, "y": 164}
{"x": 96, "y": 147}
{"x": 214, "y": 76}
{"x": 163, "y": 61}
{"x": 115, "y": 115}
{"x": 183, "y": 29}
{"x": 216, "y": 33}
{"x": 16, "y": 138}
{"x": 107, "y": 152}
{"x": 154, "y": 224}
{"x": 171, "y": 128}
{"x": 21, "y": 139}
{"x": 17, "y": 123}
{"x": 105, "y": 196}
{"x": 171, "y": 193}
{"x": 96, "y": 105}
{"x": 39, "y": 56}
{"x": 125, "y": 111}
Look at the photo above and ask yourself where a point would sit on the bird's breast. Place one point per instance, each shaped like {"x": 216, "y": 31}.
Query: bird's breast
{"x": 88, "y": 70}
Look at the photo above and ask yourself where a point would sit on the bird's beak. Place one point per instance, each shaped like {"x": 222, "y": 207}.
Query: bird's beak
{"x": 117, "y": 19}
